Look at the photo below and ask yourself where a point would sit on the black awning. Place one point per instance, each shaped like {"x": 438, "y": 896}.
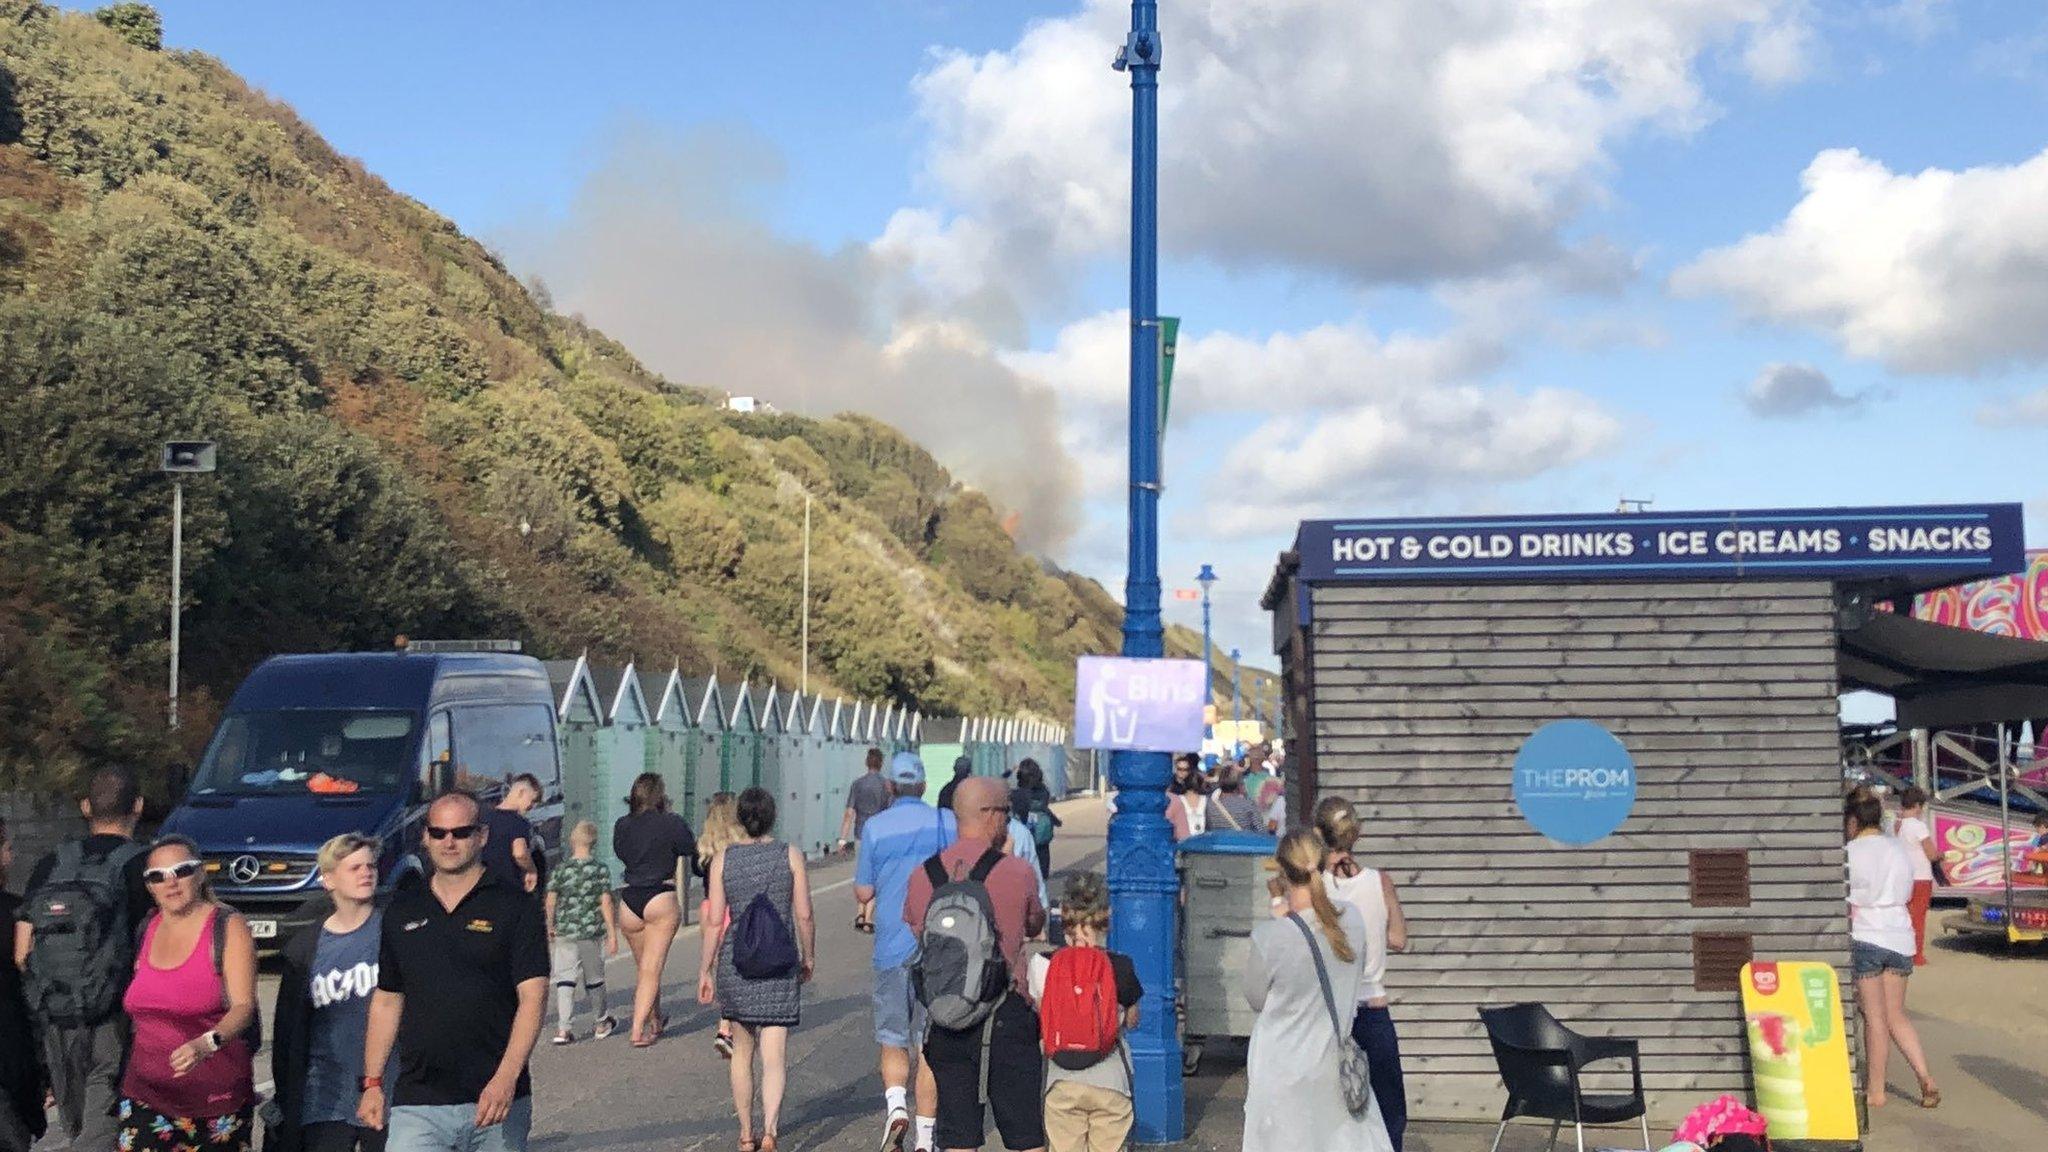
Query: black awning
{"x": 1942, "y": 676}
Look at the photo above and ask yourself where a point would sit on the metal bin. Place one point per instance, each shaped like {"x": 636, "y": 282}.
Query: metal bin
{"x": 1223, "y": 895}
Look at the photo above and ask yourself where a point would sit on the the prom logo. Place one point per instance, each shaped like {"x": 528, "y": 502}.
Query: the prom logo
{"x": 1574, "y": 782}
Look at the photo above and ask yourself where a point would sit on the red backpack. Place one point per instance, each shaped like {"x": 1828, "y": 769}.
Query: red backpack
{"x": 1078, "y": 1016}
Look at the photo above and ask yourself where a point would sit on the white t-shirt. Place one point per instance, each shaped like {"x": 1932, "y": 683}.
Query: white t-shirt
{"x": 1365, "y": 893}
{"x": 1912, "y": 833}
{"x": 1880, "y": 885}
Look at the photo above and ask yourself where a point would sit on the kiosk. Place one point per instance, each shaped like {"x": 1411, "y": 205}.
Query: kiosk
{"x": 1599, "y": 754}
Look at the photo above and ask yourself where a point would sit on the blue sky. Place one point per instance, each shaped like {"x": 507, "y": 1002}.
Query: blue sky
{"x": 1435, "y": 256}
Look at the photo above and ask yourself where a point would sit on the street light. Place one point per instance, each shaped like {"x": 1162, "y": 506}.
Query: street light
{"x": 181, "y": 458}
{"x": 1236, "y": 703}
{"x": 1144, "y": 890}
{"x": 1205, "y": 579}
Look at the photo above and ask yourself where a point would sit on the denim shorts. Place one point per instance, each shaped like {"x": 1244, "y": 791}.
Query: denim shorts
{"x": 452, "y": 1128}
{"x": 1869, "y": 960}
{"x": 899, "y": 1018}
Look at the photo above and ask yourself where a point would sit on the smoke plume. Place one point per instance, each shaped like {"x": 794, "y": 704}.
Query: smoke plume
{"x": 665, "y": 248}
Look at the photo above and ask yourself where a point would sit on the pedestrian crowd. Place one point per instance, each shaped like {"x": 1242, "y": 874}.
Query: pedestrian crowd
{"x": 406, "y": 1021}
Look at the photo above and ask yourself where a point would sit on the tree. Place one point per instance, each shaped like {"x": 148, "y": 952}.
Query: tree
{"x": 138, "y": 24}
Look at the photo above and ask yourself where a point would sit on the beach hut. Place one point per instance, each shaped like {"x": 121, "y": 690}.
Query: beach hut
{"x": 740, "y": 753}
{"x": 672, "y": 742}
{"x": 774, "y": 774}
{"x": 622, "y": 746}
{"x": 941, "y": 743}
{"x": 579, "y": 724}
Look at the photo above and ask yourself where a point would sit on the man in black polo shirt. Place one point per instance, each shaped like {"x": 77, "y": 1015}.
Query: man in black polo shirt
{"x": 477, "y": 951}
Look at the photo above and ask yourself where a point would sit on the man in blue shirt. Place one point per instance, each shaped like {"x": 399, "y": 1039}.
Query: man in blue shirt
{"x": 894, "y": 843}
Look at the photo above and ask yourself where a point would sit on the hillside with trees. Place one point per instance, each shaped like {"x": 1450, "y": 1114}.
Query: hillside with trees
{"x": 411, "y": 443}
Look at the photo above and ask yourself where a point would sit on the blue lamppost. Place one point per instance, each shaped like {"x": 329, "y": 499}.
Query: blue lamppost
{"x": 1236, "y": 703}
{"x": 1144, "y": 888}
{"x": 1206, "y": 578}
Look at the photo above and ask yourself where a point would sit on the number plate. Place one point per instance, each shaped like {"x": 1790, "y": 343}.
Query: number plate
{"x": 263, "y": 929}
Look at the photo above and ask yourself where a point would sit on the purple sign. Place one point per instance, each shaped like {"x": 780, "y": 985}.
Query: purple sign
{"x": 1134, "y": 705}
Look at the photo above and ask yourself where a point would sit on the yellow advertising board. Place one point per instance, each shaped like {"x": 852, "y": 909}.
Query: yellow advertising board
{"x": 1798, "y": 1050}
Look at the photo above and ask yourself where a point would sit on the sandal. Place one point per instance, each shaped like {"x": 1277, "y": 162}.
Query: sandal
{"x": 564, "y": 1038}
{"x": 864, "y": 925}
{"x": 1930, "y": 1096}
{"x": 722, "y": 1044}
{"x": 768, "y": 1143}
{"x": 747, "y": 1144}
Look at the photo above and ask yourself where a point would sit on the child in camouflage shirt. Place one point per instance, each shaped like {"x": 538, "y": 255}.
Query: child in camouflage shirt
{"x": 579, "y": 914}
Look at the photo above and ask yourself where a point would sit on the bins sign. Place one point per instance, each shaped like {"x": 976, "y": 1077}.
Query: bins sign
{"x": 1133, "y": 705}
{"x": 1574, "y": 782}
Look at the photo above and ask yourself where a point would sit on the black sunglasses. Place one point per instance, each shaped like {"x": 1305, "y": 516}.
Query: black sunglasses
{"x": 460, "y": 832}
{"x": 182, "y": 870}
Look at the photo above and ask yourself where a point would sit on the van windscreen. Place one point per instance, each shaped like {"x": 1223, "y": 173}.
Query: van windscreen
{"x": 297, "y": 751}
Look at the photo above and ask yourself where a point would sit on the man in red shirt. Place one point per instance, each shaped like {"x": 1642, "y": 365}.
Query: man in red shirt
{"x": 981, "y": 810}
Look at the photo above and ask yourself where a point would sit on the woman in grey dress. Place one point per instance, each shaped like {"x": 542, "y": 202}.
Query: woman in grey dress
{"x": 763, "y": 1009}
{"x": 1293, "y": 1100}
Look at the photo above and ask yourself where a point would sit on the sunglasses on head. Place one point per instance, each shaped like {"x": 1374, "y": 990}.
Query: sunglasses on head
{"x": 182, "y": 870}
{"x": 460, "y": 832}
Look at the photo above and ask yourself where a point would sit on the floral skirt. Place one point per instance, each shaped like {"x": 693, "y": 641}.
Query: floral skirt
{"x": 144, "y": 1129}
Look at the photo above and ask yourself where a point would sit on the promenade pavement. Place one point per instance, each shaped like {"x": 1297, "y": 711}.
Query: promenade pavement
{"x": 1983, "y": 1013}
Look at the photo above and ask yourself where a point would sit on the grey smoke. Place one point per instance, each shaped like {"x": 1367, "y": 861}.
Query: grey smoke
{"x": 666, "y": 249}
{"x": 1784, "y": 391}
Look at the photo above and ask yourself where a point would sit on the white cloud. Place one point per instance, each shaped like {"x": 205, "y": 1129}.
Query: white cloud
{"x": 1787, "y": 390}
{"x": 2031, "y": 409}
{"x": 1403, "y": 140}
{"x": 1933, "y": 272}
{"x": 1334, "y": 415}
{"x": 1780, "y": 53}
{"x": 1424, "y": 441}
{"x": 1917, "y": 19}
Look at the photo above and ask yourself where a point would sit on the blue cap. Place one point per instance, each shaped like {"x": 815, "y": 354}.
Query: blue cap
{"x": 906, "y": 768}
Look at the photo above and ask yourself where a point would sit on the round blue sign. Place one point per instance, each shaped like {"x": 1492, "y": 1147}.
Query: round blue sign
{"x": 1574, "y": 782}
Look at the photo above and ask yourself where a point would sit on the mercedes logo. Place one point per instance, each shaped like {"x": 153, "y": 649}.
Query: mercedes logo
{"x": 244, "y": 869}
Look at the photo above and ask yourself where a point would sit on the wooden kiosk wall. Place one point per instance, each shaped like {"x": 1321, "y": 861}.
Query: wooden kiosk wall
{"x": 1416, "y": 698}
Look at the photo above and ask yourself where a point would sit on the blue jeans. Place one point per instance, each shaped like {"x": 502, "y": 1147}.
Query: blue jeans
{"x": 452, "y": 1128}
{"x": 1373, "y": 1030}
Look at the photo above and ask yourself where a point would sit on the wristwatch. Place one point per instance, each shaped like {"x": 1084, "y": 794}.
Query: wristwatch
{"x": 213, "y": 1041}
{"x": 369, "y": 1082}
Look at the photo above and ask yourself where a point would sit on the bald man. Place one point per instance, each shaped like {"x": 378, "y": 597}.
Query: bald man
{"x": 477, "y": 951}
{"x": 981, "y": 813}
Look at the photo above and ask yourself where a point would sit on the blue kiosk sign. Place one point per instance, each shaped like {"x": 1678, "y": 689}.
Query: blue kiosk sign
{"x": 1929, "y": 545}
{"x": 1574, "y": 782}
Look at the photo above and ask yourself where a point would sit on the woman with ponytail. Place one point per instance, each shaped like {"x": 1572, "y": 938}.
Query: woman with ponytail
{"x": 1371, "y": 891}
{"x": 1294, "y": 1100}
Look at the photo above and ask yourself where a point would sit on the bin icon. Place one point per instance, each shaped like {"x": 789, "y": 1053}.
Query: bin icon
{"x": 1223, "y": 896}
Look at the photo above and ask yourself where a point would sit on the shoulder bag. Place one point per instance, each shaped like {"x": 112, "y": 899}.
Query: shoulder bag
{"x": 1353, "y": 1075}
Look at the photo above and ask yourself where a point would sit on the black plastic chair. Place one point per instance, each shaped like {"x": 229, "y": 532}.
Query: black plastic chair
{"x": 1540, "y": 1061}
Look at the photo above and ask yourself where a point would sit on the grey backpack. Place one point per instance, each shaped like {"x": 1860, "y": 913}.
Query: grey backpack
{"x": 960, "y": 975}
{"x": 84, "y": 950}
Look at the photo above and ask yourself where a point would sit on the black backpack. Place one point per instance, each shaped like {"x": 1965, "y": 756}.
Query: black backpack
{"x": 762, "y": 948}
{"x": 84, "y": 947}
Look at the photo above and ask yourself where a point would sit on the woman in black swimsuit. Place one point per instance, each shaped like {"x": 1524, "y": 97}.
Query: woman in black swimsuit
{"x": 649, "y": 841}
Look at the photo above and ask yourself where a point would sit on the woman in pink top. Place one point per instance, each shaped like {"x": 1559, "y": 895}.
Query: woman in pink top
{"x": 190, "y": 1084}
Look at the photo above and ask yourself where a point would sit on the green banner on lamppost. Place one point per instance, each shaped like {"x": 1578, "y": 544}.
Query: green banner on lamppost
{"x": 1169, "y": 336}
